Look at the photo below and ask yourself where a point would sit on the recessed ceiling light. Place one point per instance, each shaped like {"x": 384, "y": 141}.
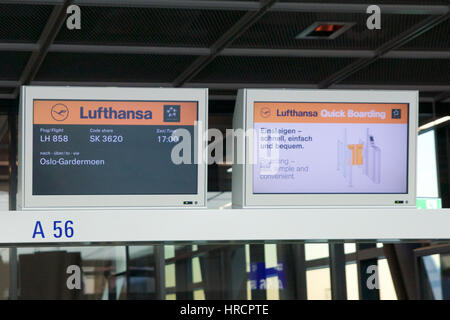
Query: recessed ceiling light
{"x": 325, "y": 30}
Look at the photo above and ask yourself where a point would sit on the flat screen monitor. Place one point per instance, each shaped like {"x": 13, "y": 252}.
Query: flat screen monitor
{"x": 325, "y": 148}
{"x": 89, "y": 147}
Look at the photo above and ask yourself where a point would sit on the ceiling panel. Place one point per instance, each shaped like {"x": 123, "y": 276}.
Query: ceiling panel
{"x": 22, "y": 23}
{"x": 150, "y": 26}
{"x": 404, "y": 71}
{"x": 111, "y": 67}
{"x": 428, "y": 94}
{"x": 269, "y": 69}
{"x": 12, "y": 64}
{"x": 436, "y": 38}
{"x": 6, "y": 90}
{"x": 279, "y": 30}
{"x": 378, "y": 2}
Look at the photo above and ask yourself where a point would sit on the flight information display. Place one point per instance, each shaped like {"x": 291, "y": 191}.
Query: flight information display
{"x": 101, "y": 147}
{"x": 330, "y": 148}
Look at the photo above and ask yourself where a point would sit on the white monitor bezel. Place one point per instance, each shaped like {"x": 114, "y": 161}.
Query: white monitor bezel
{"x": 332, "y": 200}
{"x": 28, "y": 201}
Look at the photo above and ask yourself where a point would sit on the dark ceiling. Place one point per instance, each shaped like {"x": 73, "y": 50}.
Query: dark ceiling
{"x": 225, "y": 45}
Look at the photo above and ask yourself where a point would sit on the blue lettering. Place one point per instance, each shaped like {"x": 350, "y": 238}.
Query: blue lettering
{"x": 82, "y": 116}
{"x": 38, "y": 230}
{"x": 110, "y": 113}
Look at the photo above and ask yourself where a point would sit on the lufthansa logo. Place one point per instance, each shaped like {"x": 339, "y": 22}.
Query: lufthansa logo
{"x": 59, "y": 112}
{"x": 265, "y": 112}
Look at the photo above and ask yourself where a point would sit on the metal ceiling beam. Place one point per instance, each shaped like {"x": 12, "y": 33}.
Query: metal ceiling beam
{"x": 360, "y": 8}
{"x": 420, "y": 87}
{"x": 334, "y": 53}
{"x": 9, "y": 83}
{"x": 230, "y": 97}
{"x": 178, "y": 4}
{"x": 413, "y": 54}
{"x": 228, "y": 37}
{"x": 13, "y": 46}
{"x": 251, "y": 52}
{"x": 390, "y": 45}
{"x": 51, "y": 29}
{"x": 101, "y": 84}
{"x": 252, "y": 6}
{"x": 169, "y": 4}
{"x": 211, "y": 96}
{"x": 7, "y": 96}
{"x": 258, "y": 52}
{"x": 125, "y": 49}
{"x": 233, "y": 86}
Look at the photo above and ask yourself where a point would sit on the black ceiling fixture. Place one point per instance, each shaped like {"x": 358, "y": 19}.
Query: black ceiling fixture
{"x": 325, "y": 30}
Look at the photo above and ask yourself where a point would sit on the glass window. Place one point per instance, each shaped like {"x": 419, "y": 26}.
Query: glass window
{"x": 170, "y": 275}
{"x": 199, "y": 294}
{"x": 196, "y": 271}
{"x": 270, "y": 255}
{"x": 171, "y": 296}
{"x": 351, "y": 275}
{"x": 318, "y": 285}
{"x": 249, "y": 291}
{"x": 349, "y": 248}
{"x": 43, "y": 272}
{"x": 316, "y": 251}
{"x": 247, "y": 257}
{"x": 387, "y": 290}
{"x": 4, "y": 273}
{"x": 433, "y": 270}
{"x": 427, "y": 180}
{"x": 169, "y": 252}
